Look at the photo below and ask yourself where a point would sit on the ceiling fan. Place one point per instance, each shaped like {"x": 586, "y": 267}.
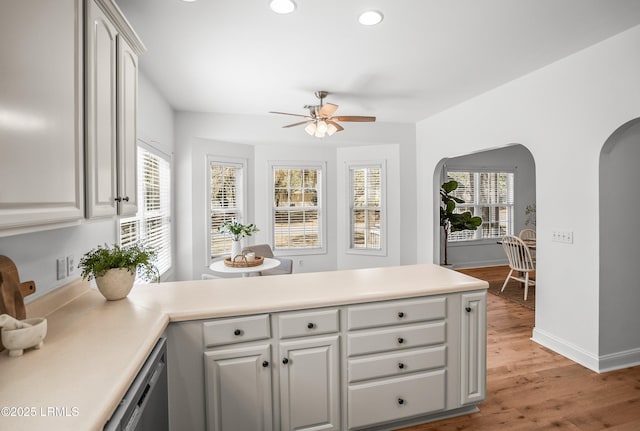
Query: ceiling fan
{"x": 321, "y": 121}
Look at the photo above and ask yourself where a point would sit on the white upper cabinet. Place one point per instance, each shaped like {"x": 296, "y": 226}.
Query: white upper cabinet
{"x": 112, "y": 86}
{"x": 101, "y": 70}
{"x": 41, "y": 122}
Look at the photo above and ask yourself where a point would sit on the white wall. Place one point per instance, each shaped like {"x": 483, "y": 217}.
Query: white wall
{"x": 514, "y": 158}
{"x": 198, "y": 134}
{"x": 563, "y": 114}
{"x": 620, "y": 246}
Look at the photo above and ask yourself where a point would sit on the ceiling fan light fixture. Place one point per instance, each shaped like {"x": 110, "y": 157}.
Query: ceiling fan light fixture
{"x": 311, "y": 129}
{"x": 370, "y": 17}
{"x": 282, "y": 6}
{"x": 331, "y": 129}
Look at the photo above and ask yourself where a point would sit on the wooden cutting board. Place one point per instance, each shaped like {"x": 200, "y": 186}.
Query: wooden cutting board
{"x": 12, "y": 292}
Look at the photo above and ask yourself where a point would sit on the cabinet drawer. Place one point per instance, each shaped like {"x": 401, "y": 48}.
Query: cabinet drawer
{"x": 396, "y": 364}
{"x": 396, "y": 312}
{"x": 240, "y": 330}
{"x": 308, "y": 323}
{"x": 400, "y": 337}
{"x": 402, "y": 397}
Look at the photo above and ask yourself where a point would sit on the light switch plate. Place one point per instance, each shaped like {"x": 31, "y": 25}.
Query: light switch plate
{"x": 61, "y": 265}
{"x": 563, "y": 236}
{"x": 71, "y": 262}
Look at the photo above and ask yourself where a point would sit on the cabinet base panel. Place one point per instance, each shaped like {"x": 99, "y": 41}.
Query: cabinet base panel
{"x": 422, "y": 419}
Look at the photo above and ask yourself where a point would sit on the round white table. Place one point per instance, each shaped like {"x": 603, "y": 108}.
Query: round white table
{"x": 219, "y": 266}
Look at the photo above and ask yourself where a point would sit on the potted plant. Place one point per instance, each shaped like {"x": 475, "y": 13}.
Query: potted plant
{"x": 114, "y": 268}
{"x": 450, "y": 220}
{"x": 237, "y": 231}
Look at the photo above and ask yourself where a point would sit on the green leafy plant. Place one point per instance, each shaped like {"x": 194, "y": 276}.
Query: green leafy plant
{"x": 450, "y": 220}
{"x": 238, "y": 230}
{"x": 137, "y": 258}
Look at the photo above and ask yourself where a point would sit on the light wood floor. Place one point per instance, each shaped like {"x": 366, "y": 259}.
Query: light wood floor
{"x": 532, "y": 388}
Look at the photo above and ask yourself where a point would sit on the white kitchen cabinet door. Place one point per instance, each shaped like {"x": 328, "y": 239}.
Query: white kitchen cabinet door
{"x": 238, "y": 389}
{"x": 41, "y": 114}
{"x": 101, "y": 79}
{"x": 126, "y": 147}
{"x": 473, "y": 352}
{"x": 309, "y": 384}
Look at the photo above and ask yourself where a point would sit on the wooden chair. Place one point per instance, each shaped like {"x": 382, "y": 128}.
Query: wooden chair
{"x": 520, "y": 262}
{"x": 264, "y": 250}
{"x": 527, "y": 235}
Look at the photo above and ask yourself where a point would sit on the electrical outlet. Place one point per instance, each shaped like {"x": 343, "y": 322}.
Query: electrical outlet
{"x": 70, "y": 264}
{"x": 563, "y": 236}
{"x": 61, "y": 268}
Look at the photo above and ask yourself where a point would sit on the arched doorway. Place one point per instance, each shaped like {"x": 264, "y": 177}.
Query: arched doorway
{"x": 619, "y": 211}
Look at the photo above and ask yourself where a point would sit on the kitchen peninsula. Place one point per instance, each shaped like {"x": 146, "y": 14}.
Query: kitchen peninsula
{"x": 370, "y": 348}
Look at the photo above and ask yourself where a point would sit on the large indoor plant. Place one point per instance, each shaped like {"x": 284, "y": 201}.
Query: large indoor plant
{"x": 237, "y": 231}
{"x": 115, "y": 268}
{"x": 452, "y": 221}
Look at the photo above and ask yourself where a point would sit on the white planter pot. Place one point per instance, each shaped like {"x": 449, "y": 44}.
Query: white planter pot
{"x": 116, "y": 283}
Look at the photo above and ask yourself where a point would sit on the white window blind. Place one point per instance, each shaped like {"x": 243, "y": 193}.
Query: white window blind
{"x": 152, "y": 223}
{"x": 489, "y": 195}
{"x": 297, "y": 220}
{"x": 225, "y": 202}
{"x": 366, "y": 210}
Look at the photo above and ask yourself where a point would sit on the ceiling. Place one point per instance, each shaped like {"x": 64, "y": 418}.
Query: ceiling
{"x": 239, "y": 57}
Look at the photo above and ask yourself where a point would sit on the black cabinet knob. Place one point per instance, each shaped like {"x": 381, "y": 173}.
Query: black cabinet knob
{"x": 265, "y": 364}
{"x": 468, "y": 309}
{"x": 126, "y": 198}
{"x": 311, "y": 325}
{"x": 118, "y": 199}
{"x": 401, "y": 315}
{"x": 400, "y": 340}
{"x": 237, "y": 332}
{"x": 401, "y": 365}
{"x": 285, "y": 360}
{"x": 400, "y": 401}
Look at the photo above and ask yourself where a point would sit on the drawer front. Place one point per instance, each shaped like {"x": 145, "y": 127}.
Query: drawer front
{"x": 400, "y": 337}
{"x": 396, "y": 364}
{"x": 240, "y": 330}
{"x": 308, "y": 323}
{"x": 396, "y": 312}
{"x": 387, "y": 400}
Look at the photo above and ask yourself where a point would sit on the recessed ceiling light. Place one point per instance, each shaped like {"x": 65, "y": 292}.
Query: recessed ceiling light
{"x": 370, "y": 17}
{"x": 282, "y": 6}
{"x": 188, "y": 1}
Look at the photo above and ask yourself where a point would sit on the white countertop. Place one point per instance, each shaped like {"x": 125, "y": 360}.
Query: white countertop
{"x": 94, "y": 348}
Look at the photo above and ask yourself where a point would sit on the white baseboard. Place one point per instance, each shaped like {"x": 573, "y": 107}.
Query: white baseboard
{"x": 619, "y": 360}
{"x": 481, "y": 264}
{"x": 599, "y": 364}
{"x": 566, "y": 349}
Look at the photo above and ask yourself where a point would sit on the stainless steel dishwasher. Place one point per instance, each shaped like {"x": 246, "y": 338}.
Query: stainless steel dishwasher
{"x": 145, "y": 405}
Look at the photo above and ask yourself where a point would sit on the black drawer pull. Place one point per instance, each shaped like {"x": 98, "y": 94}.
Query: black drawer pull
{"x": 401, "y": 315}
{"x": 401, "y": 365}
{"x": 400, "y": 401}
{"x": 285, "y": 361}
{"x": 400, "y": 340}
{"x": 237, "y": 332}
{"x": 311, "y": 325}
{"x": 468, "y": 309}
{"x": 265, "y": 364}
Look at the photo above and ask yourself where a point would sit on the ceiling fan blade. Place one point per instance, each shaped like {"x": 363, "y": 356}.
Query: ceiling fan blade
{"x": 297, "y": 124}
{"x": 328, "y": 110}
{"x": 354, "y": 118}
{"x": 336, "y": 125}
{"x": 287, "y": 113}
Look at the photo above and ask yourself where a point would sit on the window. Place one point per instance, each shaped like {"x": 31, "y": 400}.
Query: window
{"x": 366, "y": 208}
{"x": 488, "y": 195}
{"x": 297, "y": 207}
{"x": 152, "y": 223}
{"x": 226, "y": 201}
